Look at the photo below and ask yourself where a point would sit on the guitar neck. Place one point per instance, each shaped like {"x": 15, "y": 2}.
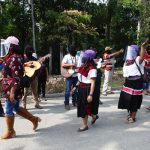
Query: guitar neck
{"x": 42, "y": 59}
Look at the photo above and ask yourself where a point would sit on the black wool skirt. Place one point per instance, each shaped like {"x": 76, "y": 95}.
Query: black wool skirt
{"x": 83, "y": 107}
{"x": 131, "y": 95}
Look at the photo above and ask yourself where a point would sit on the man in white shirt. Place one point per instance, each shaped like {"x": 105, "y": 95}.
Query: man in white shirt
{"x": 70, "y": 62}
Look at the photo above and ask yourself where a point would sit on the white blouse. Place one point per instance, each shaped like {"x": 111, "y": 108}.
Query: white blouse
{"x": 87, "y": 79}
{"x": 132, "y": 70}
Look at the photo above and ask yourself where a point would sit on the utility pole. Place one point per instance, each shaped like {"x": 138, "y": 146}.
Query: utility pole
{"x": 139, "y": 23}
{"x": 1, "y": 16}
{"x": 33, "y": 23}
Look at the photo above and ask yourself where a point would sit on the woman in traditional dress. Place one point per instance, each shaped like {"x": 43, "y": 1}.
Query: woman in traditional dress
{"x": 88, "y": 101}
{"x": 131, "y": 92}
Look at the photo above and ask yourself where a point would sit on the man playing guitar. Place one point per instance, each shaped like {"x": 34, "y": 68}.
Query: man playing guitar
{"x": 69, "y": 62}
{"x": 34, "y": 80}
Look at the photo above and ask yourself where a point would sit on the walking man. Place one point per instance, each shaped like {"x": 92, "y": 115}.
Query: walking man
{"x": 109, "y": 60}
{"x": 70, "y": 62}
{"x": 33, "y": 81}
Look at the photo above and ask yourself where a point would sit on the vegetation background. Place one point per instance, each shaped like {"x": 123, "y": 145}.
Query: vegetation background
{"x": 59, "y": 23}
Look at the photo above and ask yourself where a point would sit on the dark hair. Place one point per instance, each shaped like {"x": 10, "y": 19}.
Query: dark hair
{"x": 16, "y": 49}
{"x": 73, "y": 50}
{"x": 73, "y": 47}
{"x": 89, "y": 62}
{"x": 29, "y": 49}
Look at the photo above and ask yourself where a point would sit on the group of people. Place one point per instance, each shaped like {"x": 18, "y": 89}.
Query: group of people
{"x": 83, "y": 82}
{"x": 16, "y": 83}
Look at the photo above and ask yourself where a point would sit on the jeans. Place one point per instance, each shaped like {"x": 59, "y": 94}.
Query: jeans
{"x": 145, "y": 85}
{"x": 72, "y": 81}
{"x": 11, "y": 106}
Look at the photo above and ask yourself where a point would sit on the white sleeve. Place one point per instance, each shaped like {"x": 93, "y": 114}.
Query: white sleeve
{"x": 137, "y": 61}
{"x": 93, "y": 73}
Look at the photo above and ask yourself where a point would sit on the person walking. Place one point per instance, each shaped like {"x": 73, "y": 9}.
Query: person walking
{"x": 133, "y": 70}
{"x": 33, "y": 80}
{"x": 146, "y": 71}
{"x": 70, "y": 62}
{"x": 12, "y": 74}
{"x": 98, "y": 79}
{"x": 88, "y": 101}
{"x": 109, "y": 60}
{"x": 42, "y": 78}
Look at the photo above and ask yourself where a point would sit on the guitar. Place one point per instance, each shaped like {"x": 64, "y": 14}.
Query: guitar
{"x": 31, "y": 66}
{"x": 67, "y": 72}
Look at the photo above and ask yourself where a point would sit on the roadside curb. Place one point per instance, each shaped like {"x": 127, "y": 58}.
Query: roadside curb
{"x": 54, "y": 95}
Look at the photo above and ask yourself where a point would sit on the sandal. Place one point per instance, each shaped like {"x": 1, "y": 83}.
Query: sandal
{"x": 83, "y": 129}
{"x": 128, "y": 116}
{"x": 94, "y": 119}
{"x": 131, "y": 120}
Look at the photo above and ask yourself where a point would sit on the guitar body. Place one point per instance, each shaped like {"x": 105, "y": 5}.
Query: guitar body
{"x": 67, "y": 72}
{"x": 34, "y": 65}
{"x": 30, "y": 70}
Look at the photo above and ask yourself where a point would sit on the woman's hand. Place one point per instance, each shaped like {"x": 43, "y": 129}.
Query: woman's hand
{"x": 90, "y": 99}
{"x": 28, "y": 64}
{"x": 146, "y": 42}
{"x": 121, "y": 50}
{"x": 73, "y": 90}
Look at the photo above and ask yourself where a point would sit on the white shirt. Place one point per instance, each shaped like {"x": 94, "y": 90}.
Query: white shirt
{"x": 91, "y": 74}
{"x": 132, "y": 70}
{"x": 68, "y": 59}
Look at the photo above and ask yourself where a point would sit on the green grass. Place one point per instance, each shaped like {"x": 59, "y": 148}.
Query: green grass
{"x": 118, "y": 79}
{"x": 115, "y": 83}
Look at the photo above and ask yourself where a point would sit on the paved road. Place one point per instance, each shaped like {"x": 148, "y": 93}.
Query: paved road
{"x": 58, "y": 129}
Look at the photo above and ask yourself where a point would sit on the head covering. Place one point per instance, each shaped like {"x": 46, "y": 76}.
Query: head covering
{"x": 108, "y": 48}
{"x": 12, "y": 40}
{"x": 132, "y": 52}
{"x": 89, "y": 54}
{"x": 5, "y": 45}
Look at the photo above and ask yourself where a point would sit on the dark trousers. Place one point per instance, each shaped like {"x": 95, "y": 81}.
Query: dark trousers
{"x": 1, "y": 108}
{"x": 41, "y": 87}
{"x": 70, "y": 82}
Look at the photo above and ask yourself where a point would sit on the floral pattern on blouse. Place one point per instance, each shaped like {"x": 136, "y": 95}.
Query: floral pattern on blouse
{"x": 11, "y": 74}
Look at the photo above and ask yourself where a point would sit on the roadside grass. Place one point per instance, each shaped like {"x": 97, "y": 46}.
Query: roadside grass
{"x": 116, "y": 83}
{"x": 57, "y": 83}
{"x": 117, "y": 80}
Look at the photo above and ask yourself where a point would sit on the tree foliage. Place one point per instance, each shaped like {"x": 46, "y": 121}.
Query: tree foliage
{"x": 62, "y": 22}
